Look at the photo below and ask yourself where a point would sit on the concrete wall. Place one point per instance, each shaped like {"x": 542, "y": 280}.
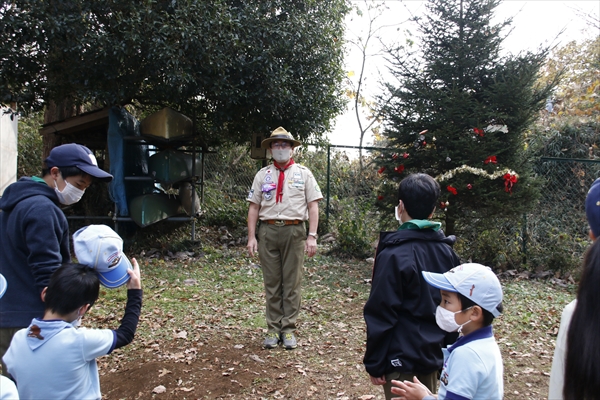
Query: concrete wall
{"x": 8, "y": 148}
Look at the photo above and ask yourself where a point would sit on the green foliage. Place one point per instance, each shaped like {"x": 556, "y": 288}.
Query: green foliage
{"x": 228, "y": 176}
{"x": 560, "y": 251}
{"x": 566, "y": 138}
{"x": 236, "y": 67}
{"x": 223, "y": 210}
{"x": 352, "y": 216}
{"x": 473, "y": 103}
{"x": 354, "y": 227}
{"x": 576, "y": 65}
{"x": 497, "y": 243}
{"x": 30, "y": 146}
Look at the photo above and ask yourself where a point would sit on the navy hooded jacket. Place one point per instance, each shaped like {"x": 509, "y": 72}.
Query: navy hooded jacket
{"x": 34, "y": 242}
{"x": 402, "y": 334}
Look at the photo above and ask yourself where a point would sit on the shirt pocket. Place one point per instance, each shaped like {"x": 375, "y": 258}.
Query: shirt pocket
{"x": 297, "y": 183}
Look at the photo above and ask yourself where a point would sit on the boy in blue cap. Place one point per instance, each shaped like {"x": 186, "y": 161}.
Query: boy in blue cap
{"x": 34, "y": 232}
{"x": 471, "y": 299}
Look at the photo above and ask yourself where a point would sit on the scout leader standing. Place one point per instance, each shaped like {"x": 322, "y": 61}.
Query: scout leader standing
{"x": 283, "y": 196}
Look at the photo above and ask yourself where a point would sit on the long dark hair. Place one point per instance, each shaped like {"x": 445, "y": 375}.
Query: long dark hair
{"x": 582, "y": 366}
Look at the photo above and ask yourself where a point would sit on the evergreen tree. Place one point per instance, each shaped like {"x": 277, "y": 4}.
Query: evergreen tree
{"x": 235, "y": 67}
{"x": 460, "y": 112}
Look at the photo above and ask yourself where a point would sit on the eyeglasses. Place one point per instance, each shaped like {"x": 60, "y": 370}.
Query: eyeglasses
{"x": 280, "y": 145}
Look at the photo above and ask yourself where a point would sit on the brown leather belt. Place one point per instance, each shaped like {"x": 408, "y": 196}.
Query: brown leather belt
{"x": 282, "y": 222}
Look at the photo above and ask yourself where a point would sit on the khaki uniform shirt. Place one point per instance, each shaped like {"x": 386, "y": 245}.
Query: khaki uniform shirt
{"x": 300, "y": 188}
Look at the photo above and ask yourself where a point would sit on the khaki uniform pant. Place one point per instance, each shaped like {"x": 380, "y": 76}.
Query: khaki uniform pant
{"x": 281, "y": 253}
{"x": 429, "y": 380}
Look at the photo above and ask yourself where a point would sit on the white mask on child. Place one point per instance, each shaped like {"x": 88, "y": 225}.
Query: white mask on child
{"x": 446, "y": 321}
{"x": 69, "y": 195}
{"x": 396, "y": 215}
{"x": 77, "y": 321}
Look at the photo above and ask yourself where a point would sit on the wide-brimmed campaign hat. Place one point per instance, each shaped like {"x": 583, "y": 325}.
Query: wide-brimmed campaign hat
{"x": 279, "y": 134}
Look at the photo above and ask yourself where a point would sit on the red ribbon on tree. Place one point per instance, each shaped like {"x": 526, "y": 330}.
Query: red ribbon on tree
{"x": 478, "y": 131}
{"x": 399, "y": 169}
{"x": 491, "y": 159}
{"x": 452, "y": 190}
{"x": 380, "y": 170}
{"x": 509, "y": 181}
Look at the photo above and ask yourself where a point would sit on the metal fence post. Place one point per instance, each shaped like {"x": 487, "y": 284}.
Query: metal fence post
{"x": 328, "y": 182}
{"x": 524, "y": 235}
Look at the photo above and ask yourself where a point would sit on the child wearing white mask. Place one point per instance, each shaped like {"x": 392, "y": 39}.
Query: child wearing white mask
{"x": 35, "y": 231}
{"x": 471, "y": 299}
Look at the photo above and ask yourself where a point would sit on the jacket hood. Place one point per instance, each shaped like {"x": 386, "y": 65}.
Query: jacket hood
{"x": 41, "y": 331}
{"x": 396, "y": 238}
{"x": 23, "y": 189}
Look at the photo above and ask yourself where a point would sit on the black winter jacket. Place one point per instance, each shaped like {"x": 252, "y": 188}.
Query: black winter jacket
{"x": 34, "y": 242}
{"x": 402, "y": 334}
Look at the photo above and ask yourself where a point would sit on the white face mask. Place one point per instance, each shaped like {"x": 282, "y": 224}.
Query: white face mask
{"x": 396, "y": 215}
{"x": 446, "y": 321}
{"x": 77, "y": 321}
{"x": 281, "y": 155}
{"x": 69, "y": 195}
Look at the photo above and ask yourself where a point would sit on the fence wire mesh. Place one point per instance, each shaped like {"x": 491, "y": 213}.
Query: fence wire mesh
{"x": 553, "y": 236}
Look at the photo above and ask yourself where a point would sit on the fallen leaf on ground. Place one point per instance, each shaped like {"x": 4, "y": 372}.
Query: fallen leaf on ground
{"x": 159, "y": 389}
{"x": 182, "y": 335}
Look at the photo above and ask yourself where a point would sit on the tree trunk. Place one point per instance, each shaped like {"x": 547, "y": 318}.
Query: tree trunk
{"x": 449, "y": 225}
{"x": 57, "y": 112}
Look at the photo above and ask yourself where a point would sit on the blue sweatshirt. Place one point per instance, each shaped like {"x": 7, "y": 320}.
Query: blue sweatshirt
{"x": 34, "y": 242}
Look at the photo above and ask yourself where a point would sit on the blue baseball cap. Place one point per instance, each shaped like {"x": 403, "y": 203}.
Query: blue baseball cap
{"x": 474, "y": 281}
{"x": 77, "y": 155}
{"x": 592, "y": 208}
{"x": 101, "y": 248}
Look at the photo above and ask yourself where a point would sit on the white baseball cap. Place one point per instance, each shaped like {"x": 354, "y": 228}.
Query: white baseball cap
{"x": 3, "y": 285}
{"x": 101, "y": 248}
{"x": 474, "y": 281}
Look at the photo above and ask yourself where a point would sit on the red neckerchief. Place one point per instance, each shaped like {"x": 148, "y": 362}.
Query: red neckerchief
{"x": 281, "y": 179}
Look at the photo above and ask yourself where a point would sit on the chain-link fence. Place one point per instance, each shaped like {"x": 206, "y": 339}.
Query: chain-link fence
{"x": 553, "y": 236}
{"x": 228, "y": 176}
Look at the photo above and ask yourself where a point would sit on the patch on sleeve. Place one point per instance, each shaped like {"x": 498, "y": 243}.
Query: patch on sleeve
{"x": 250, "y": 194}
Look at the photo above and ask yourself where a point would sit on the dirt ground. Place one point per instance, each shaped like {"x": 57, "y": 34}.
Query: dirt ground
{"x": 231, "y": 364}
